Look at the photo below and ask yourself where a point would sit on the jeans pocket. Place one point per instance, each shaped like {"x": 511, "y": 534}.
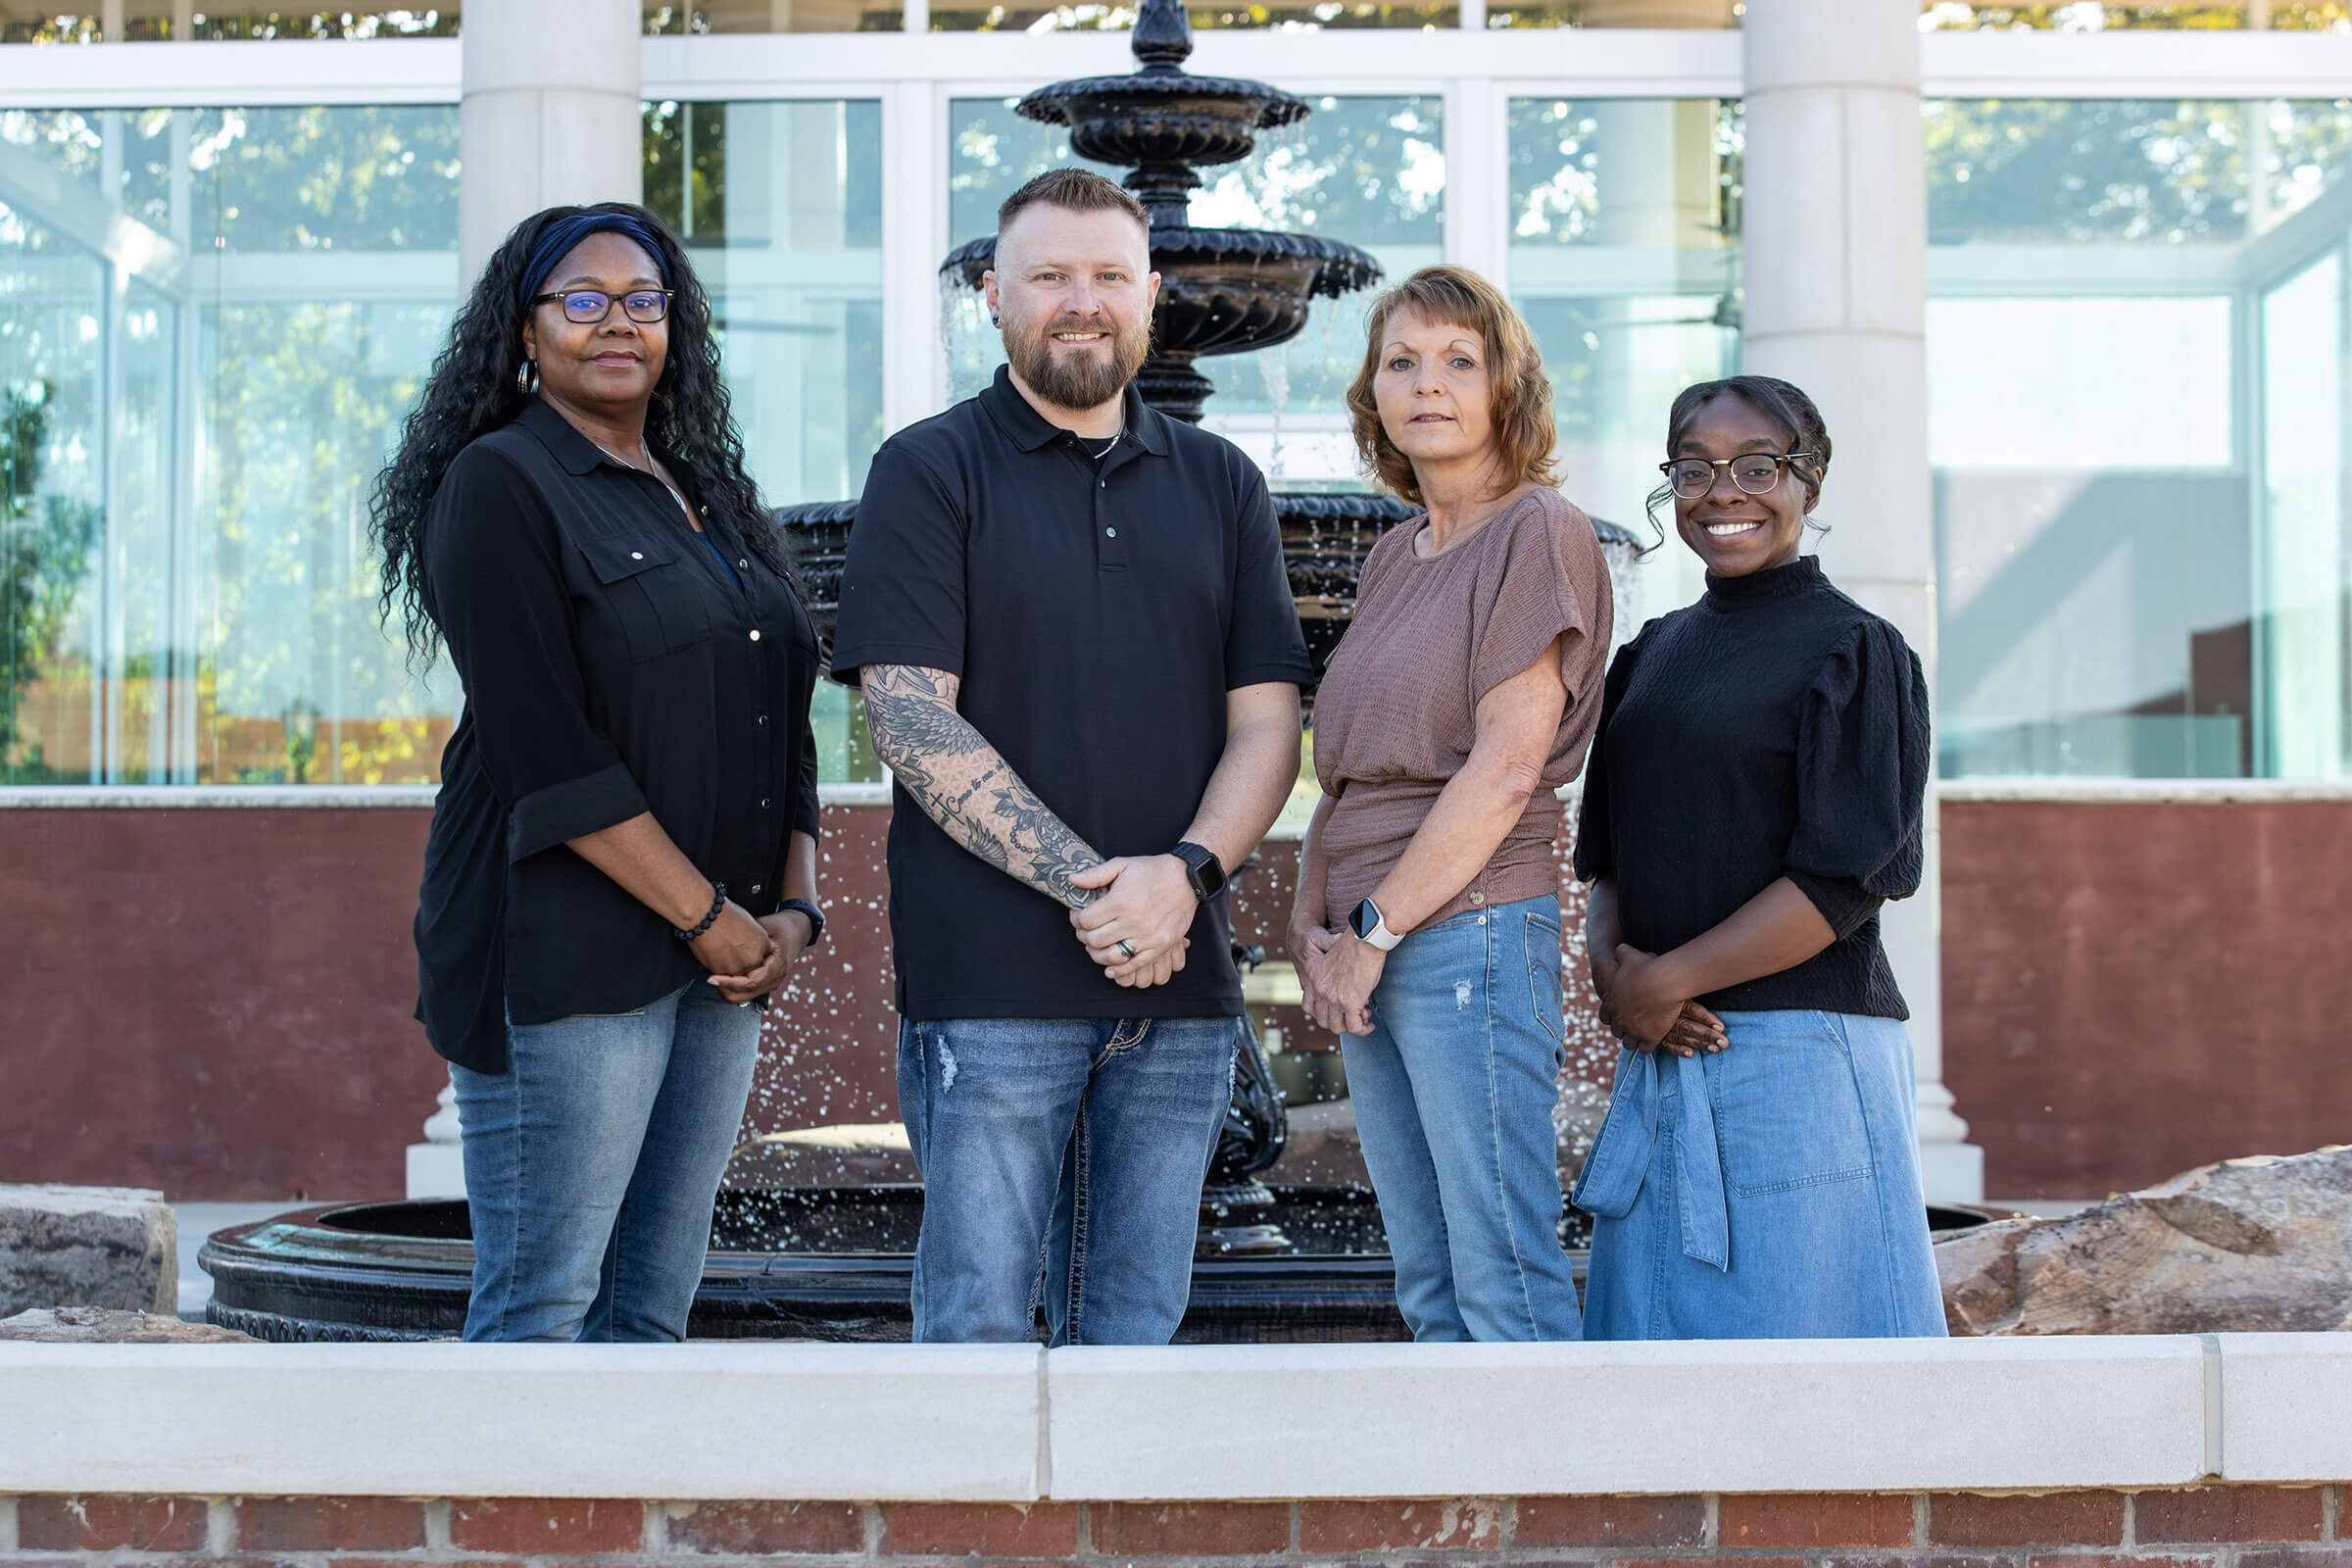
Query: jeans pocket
{"x": 1787, "y": 1109}
{"x": 1543, "y": 981}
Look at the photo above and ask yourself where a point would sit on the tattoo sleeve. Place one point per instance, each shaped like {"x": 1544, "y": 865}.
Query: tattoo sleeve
{"x": 965, "y": 785}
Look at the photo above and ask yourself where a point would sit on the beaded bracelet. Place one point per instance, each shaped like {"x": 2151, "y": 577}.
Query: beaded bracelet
{"x": 719, "y": 902}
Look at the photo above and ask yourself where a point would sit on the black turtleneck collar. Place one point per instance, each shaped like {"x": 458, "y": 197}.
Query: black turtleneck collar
{"x": 1798, "y": 577}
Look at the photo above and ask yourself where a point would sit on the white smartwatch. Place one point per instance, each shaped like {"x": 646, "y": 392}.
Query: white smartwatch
{"x": 1367, "y": 923}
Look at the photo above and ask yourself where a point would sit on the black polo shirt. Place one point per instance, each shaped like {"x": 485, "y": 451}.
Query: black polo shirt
{"x": 613, "y": 666}
{"x": 1098, "y": 611}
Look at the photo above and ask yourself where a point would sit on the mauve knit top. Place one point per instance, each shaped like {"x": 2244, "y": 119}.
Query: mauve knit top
{"x": 1397, "y": 713}
{"x": 1773, "y": 729}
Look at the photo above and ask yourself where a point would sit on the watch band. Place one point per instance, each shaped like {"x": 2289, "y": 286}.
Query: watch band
{"x": 816, "y": 917}
{"x": 1202, "y": 868}
{"x": 1367, "y": 922}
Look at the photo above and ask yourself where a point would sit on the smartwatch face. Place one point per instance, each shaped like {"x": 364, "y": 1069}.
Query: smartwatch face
{"x": 1207, "y": 876}
{"x": 1364, "y": 919}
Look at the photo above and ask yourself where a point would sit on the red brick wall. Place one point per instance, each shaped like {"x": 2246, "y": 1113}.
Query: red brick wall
{"x": 2133, "y": 990}
{"x": 217, "y": 1002}
{"x": 2211, "y": 1527}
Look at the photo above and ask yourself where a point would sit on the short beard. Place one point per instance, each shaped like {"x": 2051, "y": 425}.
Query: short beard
{"x": 1081, "y": 381}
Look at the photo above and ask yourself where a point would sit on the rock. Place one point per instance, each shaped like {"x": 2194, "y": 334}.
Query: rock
{"x": 107, "y": 1325}
{"x": 2257, "y": 1243}
{"x": 88, "y": 1246}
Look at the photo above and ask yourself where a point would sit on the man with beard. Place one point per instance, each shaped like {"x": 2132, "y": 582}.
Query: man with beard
{"x": 1081, "y": 660}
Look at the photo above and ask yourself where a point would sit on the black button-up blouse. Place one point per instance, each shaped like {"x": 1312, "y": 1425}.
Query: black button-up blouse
{"x": 613, "y": 666}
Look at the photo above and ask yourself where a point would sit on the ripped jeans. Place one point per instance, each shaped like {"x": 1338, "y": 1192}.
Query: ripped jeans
{"x": 1070, "y": 1152}
{"x": 1453, "y": 1091}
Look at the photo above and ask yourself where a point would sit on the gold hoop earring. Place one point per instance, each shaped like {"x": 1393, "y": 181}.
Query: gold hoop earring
{"x": 527, "y": 378}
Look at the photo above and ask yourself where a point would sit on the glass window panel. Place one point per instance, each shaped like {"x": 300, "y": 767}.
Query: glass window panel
{"x": 1682, "y": 14}
{"x": 2079, "y": 383}
{"x": 2304, "y": 547}
{"x": 203, "y": 368}
{"x": 774, "y": 16}
{"x": 1622, "y": 215}
{"x": 152, "y": 21}
{"x": 780, "y": 204}
{"x": 2135, "y": 578}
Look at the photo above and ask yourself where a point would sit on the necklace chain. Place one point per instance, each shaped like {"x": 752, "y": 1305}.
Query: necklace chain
{"x": 675, "y": 494}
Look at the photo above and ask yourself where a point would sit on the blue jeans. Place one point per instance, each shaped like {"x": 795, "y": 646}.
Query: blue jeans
{"x": 1767, "y": 1192}
{"x": 1453, "y": 1091}
{"x": 591, "y": 1165}
{"x": 1070, "y": 1150}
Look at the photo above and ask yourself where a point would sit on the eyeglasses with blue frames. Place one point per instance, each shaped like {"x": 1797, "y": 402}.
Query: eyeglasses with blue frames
{"x": 588, "y": 305}
{"x": 1755, "y": 473}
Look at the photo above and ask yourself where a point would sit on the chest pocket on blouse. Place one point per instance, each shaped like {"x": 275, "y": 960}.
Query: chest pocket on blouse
{"x": 655, "y": 597}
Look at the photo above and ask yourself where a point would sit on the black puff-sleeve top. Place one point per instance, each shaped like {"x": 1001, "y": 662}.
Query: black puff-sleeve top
{"x": 1773, "y": 729}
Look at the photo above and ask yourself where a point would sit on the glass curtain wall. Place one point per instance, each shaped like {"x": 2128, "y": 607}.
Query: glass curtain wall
{"x": 1622, "y": 258}
{"x": 780, "y": 204}
{"x": 211, "y": 324}
{"x": 2135, "y": 356}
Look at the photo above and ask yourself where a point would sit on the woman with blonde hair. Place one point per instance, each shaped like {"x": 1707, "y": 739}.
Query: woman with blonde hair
{"x": 1427, "y": 921}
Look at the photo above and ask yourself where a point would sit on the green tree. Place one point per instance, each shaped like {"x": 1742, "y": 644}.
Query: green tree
{"x": 45, "y": 543}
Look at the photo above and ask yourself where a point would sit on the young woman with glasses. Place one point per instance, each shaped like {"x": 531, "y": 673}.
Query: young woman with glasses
{"x": 624, "y": 853}
{"x": 1755, "y": 794}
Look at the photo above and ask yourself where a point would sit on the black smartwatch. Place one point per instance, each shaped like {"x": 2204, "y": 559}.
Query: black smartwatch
{"x": 1202, "y": 868}
{"x": 816, "y": 917}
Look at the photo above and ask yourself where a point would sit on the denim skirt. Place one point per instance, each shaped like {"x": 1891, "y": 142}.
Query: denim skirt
{"x": 1770, "y": 1191}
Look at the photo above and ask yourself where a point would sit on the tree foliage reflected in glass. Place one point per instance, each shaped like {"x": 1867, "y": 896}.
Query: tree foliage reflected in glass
{"x": 2089, "y": 16}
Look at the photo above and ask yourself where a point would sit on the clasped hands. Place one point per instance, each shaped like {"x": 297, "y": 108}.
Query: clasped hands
{"x": 1337, "y": 974}
{"x": 747, "y": 955}
{"x": 1646, "y": 1007}
{"x": 1148, "y": 902}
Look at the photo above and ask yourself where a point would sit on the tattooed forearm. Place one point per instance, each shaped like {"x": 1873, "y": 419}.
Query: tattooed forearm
{"x": 964, "y": 786}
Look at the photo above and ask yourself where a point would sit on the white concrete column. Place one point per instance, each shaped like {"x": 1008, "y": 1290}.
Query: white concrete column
{"x": 548, "y": 115}
{"x": 1833, "y": 255}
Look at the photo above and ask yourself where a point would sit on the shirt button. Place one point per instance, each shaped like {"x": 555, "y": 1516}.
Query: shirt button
{"x": 745, "y": 564}
{"x": 636, "y": 555}
{"x": 1111, "y": 533}
{"x": 764, "y": 722}
{"x": 754, "y": 634}
{"x": 1478, "y": 897}
{"x": 755, "y": 887}
{"x": 1482, "y": 920}
{"x": 763, "y": 806}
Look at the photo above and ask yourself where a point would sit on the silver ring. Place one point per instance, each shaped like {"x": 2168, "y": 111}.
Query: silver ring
{"x": 1127, "y": 947}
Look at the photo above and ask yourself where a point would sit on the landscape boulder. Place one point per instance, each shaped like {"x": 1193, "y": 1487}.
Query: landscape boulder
{"x": 108, "y": 1325}
{"x": 88, "y": 1246}
{"x": 2257, "y": 1243}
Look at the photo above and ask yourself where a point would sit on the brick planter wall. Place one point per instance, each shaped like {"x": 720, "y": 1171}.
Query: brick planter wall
{"x": 2204, "y": 1527}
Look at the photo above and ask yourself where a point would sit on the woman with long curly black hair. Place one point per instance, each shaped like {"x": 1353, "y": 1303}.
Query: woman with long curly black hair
{"x": 623, "y": 855}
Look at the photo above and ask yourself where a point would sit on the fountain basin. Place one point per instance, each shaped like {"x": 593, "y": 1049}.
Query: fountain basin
{"x": 830, "y": 1264}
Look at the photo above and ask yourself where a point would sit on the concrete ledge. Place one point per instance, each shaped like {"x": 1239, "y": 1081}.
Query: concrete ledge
{"x": 703, "y": 1421}
{"x": 2285, "y": 1407}
{"x": 1014, "y": 1423}
{"x": 1886, "y": 1415}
